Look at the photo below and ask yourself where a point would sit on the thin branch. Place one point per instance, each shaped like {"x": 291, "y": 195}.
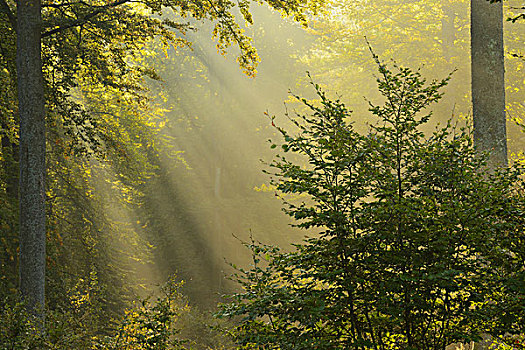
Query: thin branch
{"x": 56, "y": 6}
{"x": 4, "y": 7}
{"x": 83, "y": 20}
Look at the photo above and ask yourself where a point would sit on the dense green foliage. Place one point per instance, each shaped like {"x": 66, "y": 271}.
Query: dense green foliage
{"x": 112, "y": 208}
{"x": 147, "y": 325}
{"x": 412, "y": 244}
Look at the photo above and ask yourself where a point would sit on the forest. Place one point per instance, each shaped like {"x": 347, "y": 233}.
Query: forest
{"x": 270, "y": 174}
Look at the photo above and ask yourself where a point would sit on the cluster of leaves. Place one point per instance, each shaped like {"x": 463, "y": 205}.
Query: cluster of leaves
{"x": 146, "y": 326}
{"x": 150, "y": 326}
{"x": 413, "y": 244}
{"x": 21, "y": 331}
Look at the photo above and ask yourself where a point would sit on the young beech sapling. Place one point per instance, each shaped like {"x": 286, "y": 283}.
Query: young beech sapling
{"x": 412, "y": 243}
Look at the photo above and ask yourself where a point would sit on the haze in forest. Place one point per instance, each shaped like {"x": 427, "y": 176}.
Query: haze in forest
{"x": 139, "y": 143}
{"x": 214, "y": 193}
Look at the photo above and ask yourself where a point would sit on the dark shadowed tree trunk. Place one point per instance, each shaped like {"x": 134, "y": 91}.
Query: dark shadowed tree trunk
{"x": 31, "y": 154}
{"x": 488, "y": 83}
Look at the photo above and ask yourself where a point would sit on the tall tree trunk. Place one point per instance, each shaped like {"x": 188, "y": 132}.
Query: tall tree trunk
{"x": 32, "y": 154}
{"x": 488, "y": 83}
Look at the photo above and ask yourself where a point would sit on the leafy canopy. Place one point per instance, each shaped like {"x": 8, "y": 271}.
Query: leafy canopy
{"x": 103, "y": 128}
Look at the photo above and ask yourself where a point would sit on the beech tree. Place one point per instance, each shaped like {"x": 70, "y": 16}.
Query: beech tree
{"x": 32, "y": 153}
{"x": 94, "y": 36}
{"x": 409, "y": 245}
{"x": 488, "y": 80}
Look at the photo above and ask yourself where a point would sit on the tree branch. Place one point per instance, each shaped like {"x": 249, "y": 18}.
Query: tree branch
{"x": 4, "y": 7}
{"x": 83, "y": 20}
{"x": 56, "y": 6}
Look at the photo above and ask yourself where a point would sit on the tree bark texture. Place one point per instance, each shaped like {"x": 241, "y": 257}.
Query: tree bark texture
{"x": 31, "y": 154}
{"x": 488, "y": 80}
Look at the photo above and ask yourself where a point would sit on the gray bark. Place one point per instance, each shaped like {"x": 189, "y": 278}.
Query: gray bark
{"x": 488, "y": 80}
{"x": 31, "y": 155}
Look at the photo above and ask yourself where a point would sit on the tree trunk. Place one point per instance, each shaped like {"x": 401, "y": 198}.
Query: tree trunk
{"x": 488, "y": 83}
{"x": 32, "y": 155}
